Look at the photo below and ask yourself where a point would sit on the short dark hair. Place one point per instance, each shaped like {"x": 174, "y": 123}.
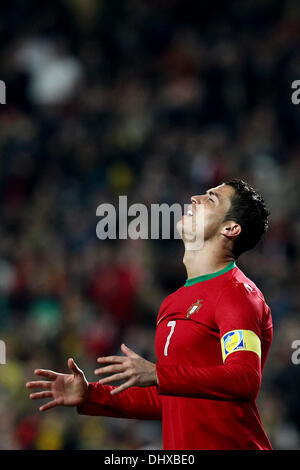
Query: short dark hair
{"x": 248, "y": 209}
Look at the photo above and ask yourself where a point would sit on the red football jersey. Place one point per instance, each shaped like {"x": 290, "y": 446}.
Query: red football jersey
{"x": 212, "y": 340}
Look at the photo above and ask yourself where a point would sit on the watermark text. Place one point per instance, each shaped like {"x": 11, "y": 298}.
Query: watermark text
{"x": 2, "y": 92}
{"x": 2, "y": 352}
{"x": 296, "y": 354}
{"x": 160, "y": 221}
{"x": 296, "y": 94}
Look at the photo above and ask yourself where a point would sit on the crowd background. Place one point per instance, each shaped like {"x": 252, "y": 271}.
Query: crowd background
{"x": 156, "y": 100}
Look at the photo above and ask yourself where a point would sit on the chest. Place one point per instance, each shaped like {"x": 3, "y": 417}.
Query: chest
{"x": 186, "y": 332}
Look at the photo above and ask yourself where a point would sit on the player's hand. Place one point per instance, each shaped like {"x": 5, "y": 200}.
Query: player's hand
{"x": 131, "y": 367}
{"x": 64, "y": 389}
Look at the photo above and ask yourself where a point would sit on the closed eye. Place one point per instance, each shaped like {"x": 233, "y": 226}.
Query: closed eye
{"x": 211, "y": 193}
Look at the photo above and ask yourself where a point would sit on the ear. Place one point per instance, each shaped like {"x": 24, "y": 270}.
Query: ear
{"x": 231, "y": 230}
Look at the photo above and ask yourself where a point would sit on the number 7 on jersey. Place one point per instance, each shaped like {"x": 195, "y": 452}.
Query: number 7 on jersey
{"x": 172, "y": 325}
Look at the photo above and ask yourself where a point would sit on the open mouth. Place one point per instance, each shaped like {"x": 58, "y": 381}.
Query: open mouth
{"x": 190, "y": 210}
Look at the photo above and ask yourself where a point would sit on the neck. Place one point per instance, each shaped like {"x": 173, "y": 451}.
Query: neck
{"x": 204, "y": 261}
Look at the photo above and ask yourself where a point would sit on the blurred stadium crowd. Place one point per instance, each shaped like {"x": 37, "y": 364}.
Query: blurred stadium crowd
{"x": 158, "y": 101}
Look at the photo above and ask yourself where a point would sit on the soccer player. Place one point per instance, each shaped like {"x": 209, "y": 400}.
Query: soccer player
{"x": 212, "y": 340}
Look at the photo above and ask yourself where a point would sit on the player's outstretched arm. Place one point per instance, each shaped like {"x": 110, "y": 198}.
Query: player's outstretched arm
{"x": 93, "y": 398}
{"x": 62, "y": 389}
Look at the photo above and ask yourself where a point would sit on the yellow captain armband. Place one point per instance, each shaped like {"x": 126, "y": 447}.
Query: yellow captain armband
{"x": 240, "y": 340}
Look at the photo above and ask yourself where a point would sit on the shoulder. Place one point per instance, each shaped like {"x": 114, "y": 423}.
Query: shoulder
{"x": 240, "y": 294}
{"x": 246, "y": 290}
{"x": 241, "y": 285}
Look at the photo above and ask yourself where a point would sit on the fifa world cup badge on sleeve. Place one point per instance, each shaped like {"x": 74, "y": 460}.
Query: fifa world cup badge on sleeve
{"x": 233, "y": 341}
{"x": 240, "y": 340}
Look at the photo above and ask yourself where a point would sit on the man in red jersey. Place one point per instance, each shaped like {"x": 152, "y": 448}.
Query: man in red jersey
{"x": 212, "y": 340}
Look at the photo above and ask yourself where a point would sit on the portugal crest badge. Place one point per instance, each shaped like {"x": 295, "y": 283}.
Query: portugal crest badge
{"x": 195, "y": 307}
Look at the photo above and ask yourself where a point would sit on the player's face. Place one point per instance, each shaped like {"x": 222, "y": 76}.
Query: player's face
{"x": 206, "y": 212}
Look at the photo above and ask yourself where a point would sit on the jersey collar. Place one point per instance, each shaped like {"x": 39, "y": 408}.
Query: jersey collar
{"x": 206, "y": 277}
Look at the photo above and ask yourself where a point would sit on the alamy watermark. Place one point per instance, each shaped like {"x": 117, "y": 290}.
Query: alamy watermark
{"x": 296, "y": 354}
{"x": 2, "y": 92}
{"x": 295, "y": 97}
{"x": 2, "y": 343}
{"x": 2, "y": 352}
{"x": 161, "y": 221}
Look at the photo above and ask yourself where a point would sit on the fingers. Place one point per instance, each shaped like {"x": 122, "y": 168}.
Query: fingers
{"x": 121, "y": 367}
{"x": 123, "y": 387}
{"x": 39, "y": 384}
{"x": 109, "y": 369}
{"x": 50, "y": 404}
{"x": 115, "y": 377}
{"x": 115, "y": 359}
{"x": 73, "y": 367}
{"x": 123, "y": 372}
{"x": 128, "y": 351}
{"x": 50, "y": 374}
{"x": 119, "y": 359}
{"x": 37, "y": 395}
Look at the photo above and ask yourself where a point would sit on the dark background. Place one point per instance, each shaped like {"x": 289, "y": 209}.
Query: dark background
{"x": 157, "y": 100}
